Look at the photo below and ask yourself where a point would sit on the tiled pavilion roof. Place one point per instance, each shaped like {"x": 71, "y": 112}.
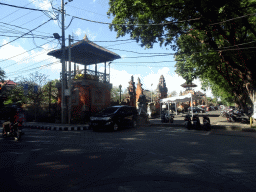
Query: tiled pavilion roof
{"x": 87, "y": 53}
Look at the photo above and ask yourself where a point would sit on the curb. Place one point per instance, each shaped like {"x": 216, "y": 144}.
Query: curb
{"x": 214, "y": 126}
{"x": 58, "y": 128}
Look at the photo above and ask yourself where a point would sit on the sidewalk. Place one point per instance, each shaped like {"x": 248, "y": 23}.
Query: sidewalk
{"x": 57, "y": 127}
{"x": 219, "y": 125}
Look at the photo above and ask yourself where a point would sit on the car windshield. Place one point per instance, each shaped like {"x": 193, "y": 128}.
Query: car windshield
{"x": 109, "y": 110}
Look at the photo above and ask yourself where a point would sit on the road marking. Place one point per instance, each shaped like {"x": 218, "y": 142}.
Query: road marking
{"x": 18, "y": 153}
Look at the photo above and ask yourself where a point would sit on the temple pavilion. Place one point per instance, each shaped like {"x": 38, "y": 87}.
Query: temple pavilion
{"x": 90, "y": 88}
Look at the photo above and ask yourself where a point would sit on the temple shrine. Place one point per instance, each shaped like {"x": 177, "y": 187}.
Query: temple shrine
{"x": 90, "y": 88}
{"x": 200, "y": 97}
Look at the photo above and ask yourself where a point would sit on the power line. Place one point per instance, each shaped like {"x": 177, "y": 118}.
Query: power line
{"x": 86, "y": 10}
{"x": 183, "y": 21}
{"x": 146, "y": 61}
{"x": 23, "y": 7}
{"x": 143, "y": 65}
{"x": 30, "y": 57}
{"x": 233, "y": 19}
{"x": 20, "y": 70}
{"x": 15, "y": 11}
{"x": 46, "y": 65}
{"x": 26, "y": 51}
{"x": 26, "y": 33}
{"x": 130, "y": 24}
{"x": 39, "y": 37}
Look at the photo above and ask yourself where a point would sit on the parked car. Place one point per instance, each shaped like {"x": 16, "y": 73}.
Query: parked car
{"x": 196, "y": 110}
{"x": 114, "y": 118}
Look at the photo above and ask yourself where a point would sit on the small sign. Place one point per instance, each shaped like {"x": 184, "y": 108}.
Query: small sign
{"x": 35, "y": 89}
{"x": 67, "y": 92}
{"x": 254, "y": 110}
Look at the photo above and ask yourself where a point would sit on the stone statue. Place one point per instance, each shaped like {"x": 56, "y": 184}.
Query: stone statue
{"x": 142, "y": 107}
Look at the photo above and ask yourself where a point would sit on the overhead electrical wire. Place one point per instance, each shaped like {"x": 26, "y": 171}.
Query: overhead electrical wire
{"x": 19, "y": 32}
{"x": 85, "y": 10}
{"x": 23, "y": 7}
{"x": 26, "y": 33}
{"x": 152, "y": 24}
{"x": 30, "y": 57}
{"x": 127, "y": 24}
{"x": 20, "y": 70}
{"x": 16, "y": 11}
{"x": 35, "y": 68}
{"x": 26, "y": 51}
{"x": 33, "y": 19}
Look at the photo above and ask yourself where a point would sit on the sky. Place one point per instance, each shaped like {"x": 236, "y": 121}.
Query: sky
{"x": 26, "y": 55}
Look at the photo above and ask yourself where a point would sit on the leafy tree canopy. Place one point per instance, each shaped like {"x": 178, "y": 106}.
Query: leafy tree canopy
{"x": 216, "y": 39}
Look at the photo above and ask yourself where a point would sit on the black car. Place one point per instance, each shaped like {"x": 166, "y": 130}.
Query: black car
{"x": 113, "y": 118}
{"x": 196, "y": 110}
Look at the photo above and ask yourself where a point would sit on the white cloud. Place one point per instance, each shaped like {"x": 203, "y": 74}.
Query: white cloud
{"x": 90, "y": 35}
{"x": 42, "y": 4}
{"x": 8, "y": 51}
{"x": 173, "y": 81}
{"x": 120, "y": 77}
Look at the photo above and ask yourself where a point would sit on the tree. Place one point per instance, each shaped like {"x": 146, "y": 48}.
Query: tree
{"x": 173, "y": 94}
{"x": 35, "y": 93}
{"x": 220, "y": 36}
{"x": 50, "y": 91}
{"x": 115, "y": 94}
{"x": 15, "y": 95}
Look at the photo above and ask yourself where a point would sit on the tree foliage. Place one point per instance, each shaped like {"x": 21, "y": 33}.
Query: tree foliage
{"x": 215, "y": 38}
{"x": 173, "y": 94}
{"x": 50, "y": 90}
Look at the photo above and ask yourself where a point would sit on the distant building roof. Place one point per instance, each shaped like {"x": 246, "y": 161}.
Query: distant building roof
{"x": 8, "y": 82}
{"x": 199, "y": 93}
{"x": 188, "y": 85}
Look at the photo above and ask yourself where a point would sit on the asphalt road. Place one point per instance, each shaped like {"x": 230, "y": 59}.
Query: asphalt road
{"x": 142, "y": 159}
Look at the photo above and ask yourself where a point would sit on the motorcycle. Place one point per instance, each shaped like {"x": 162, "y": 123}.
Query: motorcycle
{"x": 188, "y": 123}
{"x": 206, "y": 123}
{"x": 12, "y": 130}
{"x": 165, "y": 118}
{"x": 196, "y": 122}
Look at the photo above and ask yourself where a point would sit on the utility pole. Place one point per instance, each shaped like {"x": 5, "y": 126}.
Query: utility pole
{"x": 120, "y": 87}
{"x": 151, "y": 92}
{"x": 63, "y": 88}
{"x": 69, "y": 78}
{"x": 50, "y": 91}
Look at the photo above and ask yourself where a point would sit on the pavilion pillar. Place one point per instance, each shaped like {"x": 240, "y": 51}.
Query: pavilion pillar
{"x": 74, "y": 69}
{"x": 105, "y": 71}
{"x": 85, "y": 67}
{"x": 95, "y": 70}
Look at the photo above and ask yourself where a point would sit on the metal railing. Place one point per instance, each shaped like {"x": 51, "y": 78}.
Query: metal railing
{"x": 90, "y": 75}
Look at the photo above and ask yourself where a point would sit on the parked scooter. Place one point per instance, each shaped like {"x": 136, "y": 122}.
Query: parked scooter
{"x": 167, "y": 118}
{"x": 206, "y": 123}
{"x": 12, "y": 130}
{"x": 196, "y": 122}
{"x": 163, "y": 120}
{"x": 188, "y": 123}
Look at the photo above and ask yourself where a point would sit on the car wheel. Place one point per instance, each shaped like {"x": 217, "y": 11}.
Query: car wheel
{"x": 115, "y": 127}
{"x": 134, "y": 123}
{"x": 95, "y": 129}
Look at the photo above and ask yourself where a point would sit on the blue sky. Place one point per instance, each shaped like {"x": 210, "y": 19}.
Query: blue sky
{"x": 18, "y": 59}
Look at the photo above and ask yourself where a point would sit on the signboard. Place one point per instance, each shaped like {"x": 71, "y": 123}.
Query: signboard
{"x": 35, "y": 89}
{"x": 254, "y": 110}
{"x": 25, "y": 88}
{"x": 66, "y": 92}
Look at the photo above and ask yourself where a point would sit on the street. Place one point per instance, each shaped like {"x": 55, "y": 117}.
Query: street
{"x": 141, "y": 159}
